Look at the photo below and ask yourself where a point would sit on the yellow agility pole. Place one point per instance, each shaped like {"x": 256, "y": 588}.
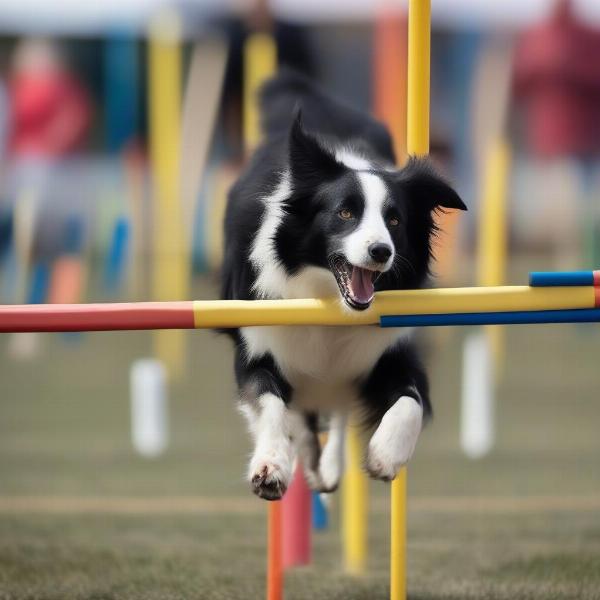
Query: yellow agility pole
{"x": 417, "y": 143}
{"x": 260, "y": 63}
{"x": 170, "y": 277}
{"x": 417, "y": 125}
{"x": 398, "y": 537}
{"x": 354, "y": 506}
{"x": 493, "y": 235}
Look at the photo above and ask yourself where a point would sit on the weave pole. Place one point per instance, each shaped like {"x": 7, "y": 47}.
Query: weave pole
{"x": 479, "y": 386}
{"x": 354, "y": 505}
{"x": 171, "y": 261}
{"x": 260, "y": 62}
{"x": 274, "y": 551}
{"x": 417, "y": 143}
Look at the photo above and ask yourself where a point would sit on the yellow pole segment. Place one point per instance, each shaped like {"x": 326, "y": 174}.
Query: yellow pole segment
{"x": 417, "y": 143}
{"x": 354, "y": 506}
{"x": 491, "y": 264}
{"x": 260, "y": 62}
{"x": 398, "y": 537}
{"x": 171, "y": 250}
{"x": 492, "y": 243}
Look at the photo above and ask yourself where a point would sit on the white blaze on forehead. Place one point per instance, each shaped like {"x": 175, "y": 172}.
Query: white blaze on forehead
{"x": 375, "y": 192}
{"x": 372, "y": 228}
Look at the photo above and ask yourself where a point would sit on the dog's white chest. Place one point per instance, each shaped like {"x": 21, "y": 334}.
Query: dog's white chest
{"x": 316, "y": 360}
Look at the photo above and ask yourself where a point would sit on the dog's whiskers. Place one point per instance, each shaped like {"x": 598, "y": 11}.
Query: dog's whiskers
{"x": 401, "y": 261}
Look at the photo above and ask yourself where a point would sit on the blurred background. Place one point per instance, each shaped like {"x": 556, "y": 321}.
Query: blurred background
{"x": 122, "y": 458}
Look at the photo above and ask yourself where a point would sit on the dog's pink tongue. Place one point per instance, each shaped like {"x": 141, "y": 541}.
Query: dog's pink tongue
{"x": 361, "y": 285}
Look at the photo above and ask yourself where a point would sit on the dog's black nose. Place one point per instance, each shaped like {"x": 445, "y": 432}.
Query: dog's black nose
{"x": 380, "y": 252}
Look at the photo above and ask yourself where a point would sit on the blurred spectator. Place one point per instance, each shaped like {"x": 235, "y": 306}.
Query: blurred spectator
{"x": 292, "y": 51}
{"x": 557, "y": 82}
{"x": 50, "y": 109}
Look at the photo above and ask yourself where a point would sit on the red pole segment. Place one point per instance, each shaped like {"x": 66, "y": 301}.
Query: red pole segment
{"x": 296, "y": 505}
{"x": 97, "y": 317}
{"x": 274, "y": 564}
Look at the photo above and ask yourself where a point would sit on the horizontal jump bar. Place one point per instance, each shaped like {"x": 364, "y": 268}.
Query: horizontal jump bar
{"x": 246, "y": 313}
{"x": 582, "y": 315}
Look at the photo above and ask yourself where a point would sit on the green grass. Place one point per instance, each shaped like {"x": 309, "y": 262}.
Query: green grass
{"x": 64, "y": 433}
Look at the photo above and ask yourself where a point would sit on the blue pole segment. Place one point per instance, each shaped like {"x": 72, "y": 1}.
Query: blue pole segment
{"x": 40, "y": 282}
{"x": 549, "y": 279}
{"x": 319, "y": 512}
{"x": 583, "y": 315}
{"x": 116, "y": 260}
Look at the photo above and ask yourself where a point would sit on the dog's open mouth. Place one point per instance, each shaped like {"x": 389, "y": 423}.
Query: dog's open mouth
{"x": 356, "y": 284}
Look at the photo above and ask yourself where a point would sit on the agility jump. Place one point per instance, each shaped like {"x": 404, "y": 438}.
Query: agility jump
{"x": 545, "y": 303}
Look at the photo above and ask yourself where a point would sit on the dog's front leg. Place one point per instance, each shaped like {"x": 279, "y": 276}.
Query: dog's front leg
{"x": 322, "y": 469}
{"x": 331, "y": 465}
{"x": 394, "y": 440}
{"x": 270, "y": 468}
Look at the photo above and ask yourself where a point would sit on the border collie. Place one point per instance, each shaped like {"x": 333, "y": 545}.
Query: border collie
{"x": 322, "y": 211}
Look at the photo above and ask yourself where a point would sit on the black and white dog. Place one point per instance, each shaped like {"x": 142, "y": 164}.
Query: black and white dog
{"x": 321, "y": 211}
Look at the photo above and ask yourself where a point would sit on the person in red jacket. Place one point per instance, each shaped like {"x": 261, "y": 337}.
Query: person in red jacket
{"x": 50, "y": 108}
{"x": 557, "y": 83}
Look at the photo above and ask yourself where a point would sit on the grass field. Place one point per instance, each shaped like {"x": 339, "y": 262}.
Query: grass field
{"x": 81, "y": 516}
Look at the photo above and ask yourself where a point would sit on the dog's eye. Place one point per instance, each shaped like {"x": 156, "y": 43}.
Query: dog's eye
{"x": 393, "y": 221}
{"x": 346, "y": 214}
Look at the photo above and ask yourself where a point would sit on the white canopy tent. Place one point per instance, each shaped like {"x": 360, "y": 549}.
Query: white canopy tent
{"x": 77, "y": 17}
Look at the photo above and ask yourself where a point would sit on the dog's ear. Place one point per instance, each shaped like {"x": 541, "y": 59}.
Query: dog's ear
{"x": 310, "y": 162}
{"x": 420, "y": 181}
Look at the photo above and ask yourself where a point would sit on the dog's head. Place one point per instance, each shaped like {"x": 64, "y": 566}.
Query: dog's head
{"x": 370, "y": 227}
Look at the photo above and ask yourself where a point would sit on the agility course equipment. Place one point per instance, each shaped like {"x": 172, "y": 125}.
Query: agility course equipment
{"x": 417, "y": 143}
{"x": 543, "y": 302}
{"x": 172, "y": 256}
{"x": 521, "y": 304}
{"x": 296, "y": 516}
{"x": 354, "y": 506}
{"x": 484, "y": 350}
{"x": 149, "y": 407}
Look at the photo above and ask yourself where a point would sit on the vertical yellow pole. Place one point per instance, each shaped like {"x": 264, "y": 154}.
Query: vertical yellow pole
{"x": 260, "y": 63}
{"x": 354, "y": 506}
{"x": 492, "y": 243}
{"x": 170, "y": 278}
{"x": 398, "y": 538}
{"x": 417, "y": 143}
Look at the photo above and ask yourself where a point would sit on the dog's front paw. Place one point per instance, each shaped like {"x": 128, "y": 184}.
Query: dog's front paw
{"x": 394, "y": 441}
{"x": 316, "y": 482}
{"x": 269, "y": 477}
{"x": 331, "y": 466}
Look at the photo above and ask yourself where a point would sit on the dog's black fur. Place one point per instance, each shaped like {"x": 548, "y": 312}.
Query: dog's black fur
{"x": 302, "y": 128}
